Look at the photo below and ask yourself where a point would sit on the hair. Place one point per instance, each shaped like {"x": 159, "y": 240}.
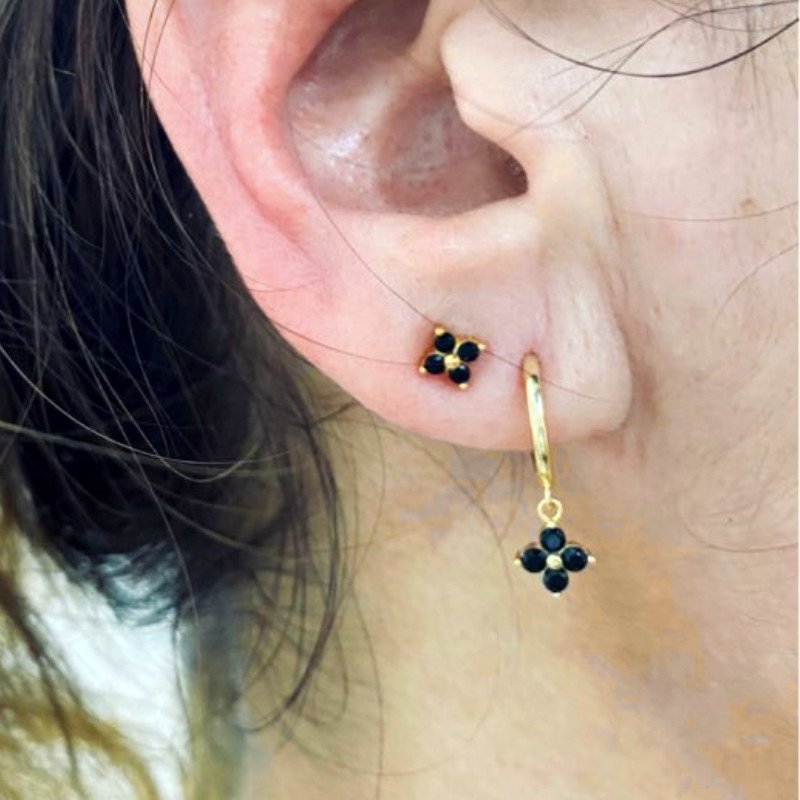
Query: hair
{"x": 157, "y": 438}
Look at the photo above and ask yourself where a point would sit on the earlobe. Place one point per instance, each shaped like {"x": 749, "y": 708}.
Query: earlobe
{"x": 354, "y": 280}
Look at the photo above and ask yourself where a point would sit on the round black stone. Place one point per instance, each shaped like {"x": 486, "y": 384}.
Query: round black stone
{"x": 468, "y": 351}
{"x": 552, "y": 539}
{"x": 555, "y": 580}
{"x": 459, "y": 374}
{"x": 533, "y": 559}
{"x": 434, "y": 364}
{"x": 575, "y": 558}
{"x": 445, "y": 343}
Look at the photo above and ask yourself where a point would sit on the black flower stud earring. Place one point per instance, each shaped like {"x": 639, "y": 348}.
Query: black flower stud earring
{"x": 553, "y": 555}
{"x": 451, "y": 355}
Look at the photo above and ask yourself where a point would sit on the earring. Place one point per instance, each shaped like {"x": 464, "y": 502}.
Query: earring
{"x": 553, "y": 555}
{"x": 451, "y": 354}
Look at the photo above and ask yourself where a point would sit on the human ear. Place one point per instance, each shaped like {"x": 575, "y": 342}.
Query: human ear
{"x": 372, "y": 170}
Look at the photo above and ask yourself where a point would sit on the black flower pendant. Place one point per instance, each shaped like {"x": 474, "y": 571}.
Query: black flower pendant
{"x": 555, "y": 558}
{"x": 452, "y": 355}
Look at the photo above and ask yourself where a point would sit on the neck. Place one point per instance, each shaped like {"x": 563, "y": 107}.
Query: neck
{"x": 453, "y": 672}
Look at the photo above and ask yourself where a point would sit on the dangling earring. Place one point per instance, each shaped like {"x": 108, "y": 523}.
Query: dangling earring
{"x": 553, "y": 555}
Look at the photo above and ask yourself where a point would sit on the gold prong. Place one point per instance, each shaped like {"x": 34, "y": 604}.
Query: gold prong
{"x": 463, "y": 386}
{"x": 518, "y": 561}
{"x": 481, "y": 346}
{"x": 439, "y": 330}
{"x": 592, "y": 560}
{"x": 422, "y": 370}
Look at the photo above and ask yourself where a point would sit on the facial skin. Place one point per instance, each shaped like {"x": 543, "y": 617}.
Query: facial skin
{"x": 649, "y": 260}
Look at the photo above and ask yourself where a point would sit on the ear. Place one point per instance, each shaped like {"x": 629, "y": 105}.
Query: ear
{"x": 372, "y": 171}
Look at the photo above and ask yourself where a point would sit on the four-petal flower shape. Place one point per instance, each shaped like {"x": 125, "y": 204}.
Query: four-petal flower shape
{"x": 451, "y": 355}
{"x": 555, "y": 557}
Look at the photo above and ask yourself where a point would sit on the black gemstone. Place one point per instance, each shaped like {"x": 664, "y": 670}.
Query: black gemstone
{"x": 575, "y": 558}
{"x": 555, "y": 580}
{"x": 552, "y": 539}
{"x": 533, "y": 559}
{"x": 434, "y": 364}
{"x": 459, "y": 374}
{"x": 468, "y": 351}
{"x": 445, "y": 343}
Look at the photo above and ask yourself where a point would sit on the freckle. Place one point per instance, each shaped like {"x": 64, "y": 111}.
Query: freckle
{"x": 748, "y": 206}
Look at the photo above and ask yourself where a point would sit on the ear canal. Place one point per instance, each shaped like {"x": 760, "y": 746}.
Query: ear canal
{"x": 376, "y": 126}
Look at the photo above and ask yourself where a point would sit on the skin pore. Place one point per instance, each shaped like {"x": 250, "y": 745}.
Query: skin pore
{"x": 655, "y": 227}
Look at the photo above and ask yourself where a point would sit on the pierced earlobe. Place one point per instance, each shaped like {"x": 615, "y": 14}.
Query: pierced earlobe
{"x": 451, "y": 355}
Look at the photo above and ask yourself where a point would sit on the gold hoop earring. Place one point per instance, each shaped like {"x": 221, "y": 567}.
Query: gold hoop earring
{"x": 552, "y": 555}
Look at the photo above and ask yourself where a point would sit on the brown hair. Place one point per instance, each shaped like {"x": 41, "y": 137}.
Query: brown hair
{"x": 155, "y": 438}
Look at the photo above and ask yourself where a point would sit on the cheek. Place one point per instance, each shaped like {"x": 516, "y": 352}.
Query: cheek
{"x": 701, "y": 171}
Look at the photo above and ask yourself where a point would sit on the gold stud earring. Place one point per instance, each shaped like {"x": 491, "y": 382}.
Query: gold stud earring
{"x": 552, "y": 555}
